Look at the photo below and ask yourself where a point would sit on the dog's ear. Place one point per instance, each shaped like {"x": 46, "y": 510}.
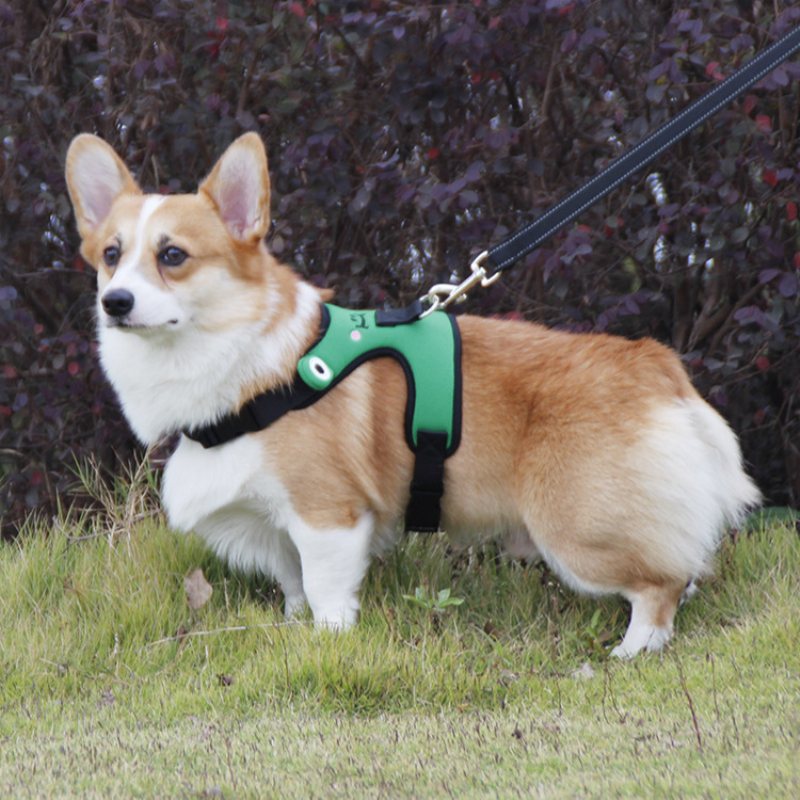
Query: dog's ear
{"x": 96, "y": 176}
{"x": 239, "y": 187}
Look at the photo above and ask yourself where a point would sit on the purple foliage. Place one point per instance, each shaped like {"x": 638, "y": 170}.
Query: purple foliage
{"x": 404, "y": 138}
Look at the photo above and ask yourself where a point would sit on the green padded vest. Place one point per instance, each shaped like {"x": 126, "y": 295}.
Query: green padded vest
{"x": 428, "y": 350}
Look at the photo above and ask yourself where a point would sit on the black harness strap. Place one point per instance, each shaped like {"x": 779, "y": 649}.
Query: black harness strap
{"x": 257, "y": 414}
{"x": 427, "y": 485}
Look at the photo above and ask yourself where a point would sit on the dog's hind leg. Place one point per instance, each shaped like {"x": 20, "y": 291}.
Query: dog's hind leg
{"x": 652, "y": 615}
{"x": 333, "y": 562}
{"x": 610, "y": 564}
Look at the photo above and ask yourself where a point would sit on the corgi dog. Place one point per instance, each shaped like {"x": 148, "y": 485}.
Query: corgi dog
{"x": 589, "y": 450}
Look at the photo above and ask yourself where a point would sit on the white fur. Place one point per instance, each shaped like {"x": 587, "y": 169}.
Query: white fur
{"x": 232, "y": 498}
{"x": 518, "y": 543}
{"x": 198, "y": 482}
{"x": 734, "y": 492}
{"x": 334, "y": 563}
{"x": 690, "y": 466}
{"x": 170, "y": 380}
{"x": 140, "y": 241}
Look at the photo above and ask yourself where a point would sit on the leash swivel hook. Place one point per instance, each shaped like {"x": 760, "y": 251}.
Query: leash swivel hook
{"x": 442, "y": 295}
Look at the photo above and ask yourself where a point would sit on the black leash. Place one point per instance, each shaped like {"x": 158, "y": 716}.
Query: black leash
{"x": 486, "y": 268}
{"x": 503, "y": 255}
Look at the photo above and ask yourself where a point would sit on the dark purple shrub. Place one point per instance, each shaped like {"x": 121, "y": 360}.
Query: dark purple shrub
{"x": 404, "y": 138}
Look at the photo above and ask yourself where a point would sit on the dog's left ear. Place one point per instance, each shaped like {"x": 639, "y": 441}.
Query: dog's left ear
{"x": 239, "y": 187}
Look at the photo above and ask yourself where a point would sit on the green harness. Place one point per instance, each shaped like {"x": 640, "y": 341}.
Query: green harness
{"x": 429, "y": 351}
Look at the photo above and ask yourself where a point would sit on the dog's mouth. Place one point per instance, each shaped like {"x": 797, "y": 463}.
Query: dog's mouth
{"x": 127, "y": 325}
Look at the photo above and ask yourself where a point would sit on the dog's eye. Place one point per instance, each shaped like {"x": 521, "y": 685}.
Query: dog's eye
{"x": 172, "y": 256}
{"x": 111, "y": 256}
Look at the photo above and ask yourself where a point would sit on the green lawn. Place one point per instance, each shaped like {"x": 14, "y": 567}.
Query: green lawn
{"x": 113, "y": 687}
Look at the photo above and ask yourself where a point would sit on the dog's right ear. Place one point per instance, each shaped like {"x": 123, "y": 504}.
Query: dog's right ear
{"x": 96, "y": 176}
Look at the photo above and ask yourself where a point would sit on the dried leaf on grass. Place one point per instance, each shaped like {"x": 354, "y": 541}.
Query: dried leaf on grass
{"x": 198, "y": 589}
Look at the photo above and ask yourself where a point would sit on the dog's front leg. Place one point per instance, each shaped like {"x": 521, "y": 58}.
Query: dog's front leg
{"x": 285, "y": 567}
{"x": 333, "y": 561}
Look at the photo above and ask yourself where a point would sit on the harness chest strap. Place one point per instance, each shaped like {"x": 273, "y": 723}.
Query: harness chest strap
{"x": 428, "y": 350}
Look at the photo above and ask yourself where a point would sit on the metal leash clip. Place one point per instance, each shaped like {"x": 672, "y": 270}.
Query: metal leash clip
{"x": 444, "y": 294}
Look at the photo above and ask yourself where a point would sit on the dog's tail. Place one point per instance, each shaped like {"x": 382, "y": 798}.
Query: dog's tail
{"x": 695, "y": 486}
{"x": 736, "y": 494}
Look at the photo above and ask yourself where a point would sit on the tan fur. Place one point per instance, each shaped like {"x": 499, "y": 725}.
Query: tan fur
{"x": 545, "y": 416}
{"x": 555, "y": 425}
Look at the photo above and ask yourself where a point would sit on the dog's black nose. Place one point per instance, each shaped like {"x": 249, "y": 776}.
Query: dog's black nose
{"x": 117, "y": 302}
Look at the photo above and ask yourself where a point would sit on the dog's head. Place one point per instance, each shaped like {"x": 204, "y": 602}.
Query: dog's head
{"x": 165, "y": 262}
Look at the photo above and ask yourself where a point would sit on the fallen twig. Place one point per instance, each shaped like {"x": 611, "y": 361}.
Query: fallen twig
{"x": 232, "y": 629}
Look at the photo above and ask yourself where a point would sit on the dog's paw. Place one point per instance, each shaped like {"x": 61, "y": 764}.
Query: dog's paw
{"x": 335, "y": 625}
{"x": 336, "y": 619}
{"x": 624, "y": 652}
{"x": 294, "y": 605}
{"x": 644, "y": 637}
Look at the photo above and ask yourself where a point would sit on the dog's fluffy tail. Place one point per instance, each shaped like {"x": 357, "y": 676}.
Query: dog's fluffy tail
{"x": 736, "y": 494}
{"x": 693, "y": 484}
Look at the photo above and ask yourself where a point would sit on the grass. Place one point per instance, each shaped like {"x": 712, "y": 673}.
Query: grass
{"x": 113, "y": 686}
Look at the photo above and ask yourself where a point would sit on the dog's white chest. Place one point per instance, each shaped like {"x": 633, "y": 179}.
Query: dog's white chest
{"x": 200, "y": 483}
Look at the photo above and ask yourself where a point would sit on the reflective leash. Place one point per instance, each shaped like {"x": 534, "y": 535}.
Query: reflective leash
{"x": 489, "y": 265}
